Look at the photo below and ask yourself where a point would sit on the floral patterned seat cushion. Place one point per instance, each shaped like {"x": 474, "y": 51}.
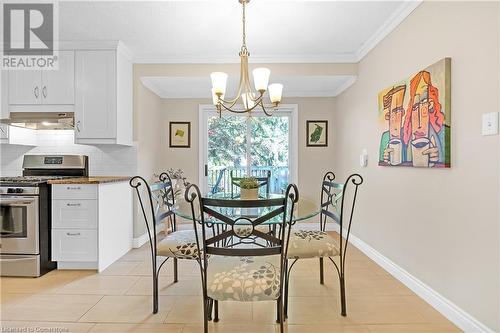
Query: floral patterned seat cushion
{"x": 179, "y": 244}
{"x": 244, "y": 279}
{"x": 311, "y": 244}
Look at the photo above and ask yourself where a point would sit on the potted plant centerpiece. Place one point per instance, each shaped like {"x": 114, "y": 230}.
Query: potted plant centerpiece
{"x": 249, "y": 188}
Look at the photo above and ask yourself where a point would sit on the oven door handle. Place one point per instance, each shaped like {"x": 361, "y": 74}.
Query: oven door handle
{"x": 24, "y": 201}
{"x": 13, "y": 259}
{"x": 15, "y": 203}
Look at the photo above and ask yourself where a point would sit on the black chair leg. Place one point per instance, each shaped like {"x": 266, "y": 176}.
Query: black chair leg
{"x": 287, "y": 280}
{"x": 321, "y": 272}
{"x": 210, "y": 303}
{"x": 278, "y": 317}
{"x": 216, "y": 311}
{"x": 175, "y": 271}
{"x": 155, "y": 293}
{"x": 282, "y": 315}
{"x": 205, "y": 315}
{"x": 342, "y": 296}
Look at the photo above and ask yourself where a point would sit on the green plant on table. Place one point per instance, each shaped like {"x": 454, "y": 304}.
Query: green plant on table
{"x": 249, "y": 183}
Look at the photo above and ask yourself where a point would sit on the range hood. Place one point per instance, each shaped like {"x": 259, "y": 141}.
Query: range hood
{"x": 41, "y": 120}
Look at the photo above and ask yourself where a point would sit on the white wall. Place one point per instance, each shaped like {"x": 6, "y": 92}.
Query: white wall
{"x": 439, "y": 225}
{"x": 103, "y": 160}
{"x": 148, "y": 133}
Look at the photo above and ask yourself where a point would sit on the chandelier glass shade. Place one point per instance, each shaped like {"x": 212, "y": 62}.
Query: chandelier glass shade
{"x": 250, "y": 97}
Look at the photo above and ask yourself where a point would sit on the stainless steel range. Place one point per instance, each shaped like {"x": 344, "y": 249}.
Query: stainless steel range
{"x": 25, "y": 211}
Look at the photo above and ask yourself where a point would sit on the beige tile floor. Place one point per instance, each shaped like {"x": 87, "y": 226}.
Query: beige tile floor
{"x": 119, "y": 300}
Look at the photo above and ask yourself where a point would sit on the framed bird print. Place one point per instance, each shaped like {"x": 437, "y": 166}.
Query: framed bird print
{"x": 317, "y": 133}
{"x": 180, "y": 134}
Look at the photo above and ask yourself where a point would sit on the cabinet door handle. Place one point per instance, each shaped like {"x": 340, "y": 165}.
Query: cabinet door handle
{"x": 73, "y": 204}
{"x": 73, "y": 188}
{"x": 72, "y": 234}
{"x": 36, "y": 91}
{"x": 78, "y": 126}
{"x": 44, "y": 91}
{"x": 2, "y": 130}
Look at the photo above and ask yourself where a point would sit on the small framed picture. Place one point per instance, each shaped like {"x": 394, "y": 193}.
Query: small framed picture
{"x": 317, "y": 133}
{"x": 180, "y": 134}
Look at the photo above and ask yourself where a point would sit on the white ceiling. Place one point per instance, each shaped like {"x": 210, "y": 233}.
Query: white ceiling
{"x": 295, "y": 86}
{"x": 210, "y": 31}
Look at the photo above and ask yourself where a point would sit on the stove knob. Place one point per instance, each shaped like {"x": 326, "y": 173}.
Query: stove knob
{"x": 19, "y": 190}
{"x": 11, "y": 190}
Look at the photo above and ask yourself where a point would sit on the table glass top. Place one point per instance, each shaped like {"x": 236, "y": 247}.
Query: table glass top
{"x": 303, "y": 209}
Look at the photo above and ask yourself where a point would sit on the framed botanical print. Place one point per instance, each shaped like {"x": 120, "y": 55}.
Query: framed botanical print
{"x": 180, "y": 134}
{"x": 317, "y": 133}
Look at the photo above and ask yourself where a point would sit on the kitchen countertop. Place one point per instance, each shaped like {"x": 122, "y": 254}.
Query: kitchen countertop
{"x": 89, "y": 180}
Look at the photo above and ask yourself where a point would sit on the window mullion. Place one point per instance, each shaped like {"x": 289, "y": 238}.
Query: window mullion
{"x": 249, "y": 144}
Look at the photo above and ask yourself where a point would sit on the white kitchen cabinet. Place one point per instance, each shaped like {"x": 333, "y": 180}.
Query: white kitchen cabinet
{"x": 58, "y": 87}
{"x": 94, "y": 80}
{"x": 91, "y": 224}
{"x": 74, "y": 245}
{"x": 75, "y": 191}
{"x": 4, "y": 95}
{"x": 103, "y": 104}
{"x": 27, "y": 89}
{"x": 74, "y": 214}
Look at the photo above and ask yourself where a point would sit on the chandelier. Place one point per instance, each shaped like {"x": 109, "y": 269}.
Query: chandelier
{"x": 250, "y": 98}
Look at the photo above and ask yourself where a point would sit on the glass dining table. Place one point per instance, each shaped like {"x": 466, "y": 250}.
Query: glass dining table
{"x": 304, "y": 209}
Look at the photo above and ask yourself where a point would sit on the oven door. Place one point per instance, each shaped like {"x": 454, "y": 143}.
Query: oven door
{"x": 19, "y": 225}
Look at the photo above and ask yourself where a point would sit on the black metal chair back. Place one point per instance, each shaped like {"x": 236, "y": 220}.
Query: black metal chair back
{"x": 263, "y": 182}
{"x": 338, "y": 201}
{"x": 156, "y": 202}
{"x": 249, "y": 240}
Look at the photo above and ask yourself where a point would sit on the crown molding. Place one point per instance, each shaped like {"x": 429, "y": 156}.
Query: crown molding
{"x": 343, "y": 87}
{"x": 260, "y": 59}
{"x": 403, "y": 11}
{"x": 148, "y": 83}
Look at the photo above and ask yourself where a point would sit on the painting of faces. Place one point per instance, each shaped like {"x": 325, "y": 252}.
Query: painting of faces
{"x": 414, "y": 119}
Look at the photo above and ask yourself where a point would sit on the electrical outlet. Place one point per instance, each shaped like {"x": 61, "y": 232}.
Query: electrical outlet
{"x": 490, "y": 123}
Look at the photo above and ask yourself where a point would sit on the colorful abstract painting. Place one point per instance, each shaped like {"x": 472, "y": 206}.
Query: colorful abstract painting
{"x": 414, "y": 117}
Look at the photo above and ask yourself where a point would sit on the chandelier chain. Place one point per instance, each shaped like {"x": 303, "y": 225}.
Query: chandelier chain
{"x": 244, "y": 35}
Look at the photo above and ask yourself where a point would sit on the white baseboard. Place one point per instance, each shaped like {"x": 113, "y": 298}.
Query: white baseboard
{"x": 451, "y": 311}
{"x": 92, "y": 265}
{"x": 137, "y": 242}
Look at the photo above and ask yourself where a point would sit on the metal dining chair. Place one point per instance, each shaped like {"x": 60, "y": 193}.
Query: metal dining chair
{"x": 241, "y": 263}
{"x": 319, "y": 243}
{"x": 263, "y": 182}
{"x": 156, "y": 202}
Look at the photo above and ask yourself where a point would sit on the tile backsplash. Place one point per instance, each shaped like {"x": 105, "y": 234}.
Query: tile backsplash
{"x": 104, "y": 160}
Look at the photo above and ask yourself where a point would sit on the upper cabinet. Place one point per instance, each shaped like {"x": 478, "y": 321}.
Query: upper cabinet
{"x": 29, "y": 89}
{"x": 94, "y": 80}
{"x": 24, "y": 87}
{"x": 58, "y": 87}
{"x": 103, "y": 104}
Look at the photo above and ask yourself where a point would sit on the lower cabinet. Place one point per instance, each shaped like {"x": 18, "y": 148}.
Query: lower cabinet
{"x": 91, "y": 224}
{"x": 74, "y": 245}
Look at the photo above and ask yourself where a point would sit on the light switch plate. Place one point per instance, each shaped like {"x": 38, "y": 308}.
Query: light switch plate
{"x": 490, "y": 123}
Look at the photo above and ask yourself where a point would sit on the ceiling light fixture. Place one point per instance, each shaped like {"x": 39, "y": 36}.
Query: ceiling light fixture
{"x": 251, "y": 99}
